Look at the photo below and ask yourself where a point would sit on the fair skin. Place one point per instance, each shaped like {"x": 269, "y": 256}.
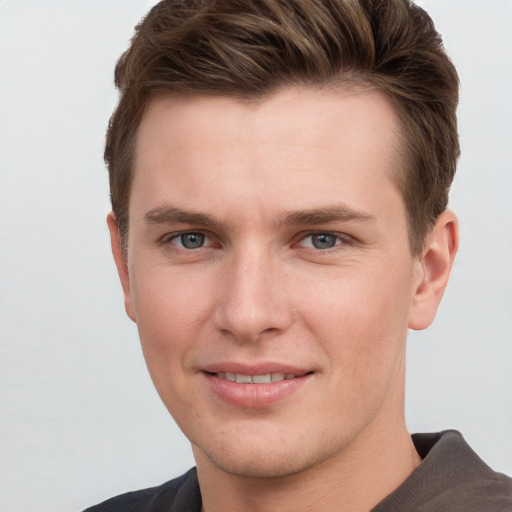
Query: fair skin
{"x": 268, "y": 242}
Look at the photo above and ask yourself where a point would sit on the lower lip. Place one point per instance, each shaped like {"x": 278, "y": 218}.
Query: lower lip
{"x": 254, "y": 396}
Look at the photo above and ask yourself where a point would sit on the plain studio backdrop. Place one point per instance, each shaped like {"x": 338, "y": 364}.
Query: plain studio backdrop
{"x": 79, "y": 418}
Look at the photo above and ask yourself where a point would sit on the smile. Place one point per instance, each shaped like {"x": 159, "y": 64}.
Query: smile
{"x": 255, "y": 389}
{"x": 266, "y": 378}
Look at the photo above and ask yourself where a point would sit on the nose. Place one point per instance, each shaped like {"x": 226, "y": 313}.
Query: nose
{"x": 253, "y": 302}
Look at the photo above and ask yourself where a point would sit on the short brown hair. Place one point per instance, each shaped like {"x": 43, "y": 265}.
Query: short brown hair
{"x": 251, "y": 48}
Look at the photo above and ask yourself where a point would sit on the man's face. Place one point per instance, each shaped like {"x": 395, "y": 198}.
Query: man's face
{"x": 268, "y": 241}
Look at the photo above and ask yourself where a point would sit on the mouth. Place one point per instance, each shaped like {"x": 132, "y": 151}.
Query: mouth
{"x": 266, "y": 378}
{"x": 255, "y": 389}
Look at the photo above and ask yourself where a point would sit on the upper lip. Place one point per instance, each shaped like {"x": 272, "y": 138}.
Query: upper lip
{"x": 255, "y": 369}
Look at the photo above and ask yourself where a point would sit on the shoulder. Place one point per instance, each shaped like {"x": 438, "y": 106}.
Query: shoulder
{"x": 451, "y": 478}
{"x": 467, "y": 478}
{"x": 180, "y": 494}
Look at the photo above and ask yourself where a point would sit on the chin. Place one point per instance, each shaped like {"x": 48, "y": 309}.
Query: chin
{"x": 266, "y": 461}
{"x": 265, "y": 467}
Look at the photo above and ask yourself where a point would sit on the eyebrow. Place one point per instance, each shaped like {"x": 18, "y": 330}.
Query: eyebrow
{"x": 171, "y": 215}
{"x": 314, "y": 217}
{"x": 317, "y": 216}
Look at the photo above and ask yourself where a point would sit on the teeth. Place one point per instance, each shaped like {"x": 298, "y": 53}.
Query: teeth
{"x": 262, "y": 379}
{"x": 243, "y": 379}
{"x": 267, "y": 378}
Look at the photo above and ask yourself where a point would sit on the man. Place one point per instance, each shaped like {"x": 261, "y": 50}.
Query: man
{"x": 279, "y": 175}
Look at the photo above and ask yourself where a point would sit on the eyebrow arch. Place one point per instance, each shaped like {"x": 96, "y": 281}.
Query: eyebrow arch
{"x": 315, "y": 217}
{"x": 171, "y": 215}
{"x": 319, "y": 216}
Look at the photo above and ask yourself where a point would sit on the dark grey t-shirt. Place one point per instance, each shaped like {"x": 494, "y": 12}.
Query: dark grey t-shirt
{"x": 451, "y": 478}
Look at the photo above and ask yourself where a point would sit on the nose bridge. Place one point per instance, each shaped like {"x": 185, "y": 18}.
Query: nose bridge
{"x": 253, "y": 299}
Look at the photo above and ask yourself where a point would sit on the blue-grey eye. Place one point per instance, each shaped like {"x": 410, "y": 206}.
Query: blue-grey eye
{"x": 323, "y": 240}
{"x": 192, "y": 240}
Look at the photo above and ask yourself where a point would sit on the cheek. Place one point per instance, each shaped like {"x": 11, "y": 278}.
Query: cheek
{"x": 362, "y": 330}
{"x": 172, "y": 313}
{"x": 361, "y": 321}
{"x": 171, "y": 310}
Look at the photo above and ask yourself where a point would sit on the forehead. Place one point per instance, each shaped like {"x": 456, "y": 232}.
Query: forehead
{"x": 189, "y": 147}
{"x": 287, "y": 109}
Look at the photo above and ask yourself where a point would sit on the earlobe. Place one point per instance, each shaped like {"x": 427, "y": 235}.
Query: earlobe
{"x": 121, "y": 264}
{"x": 436, "y": 262}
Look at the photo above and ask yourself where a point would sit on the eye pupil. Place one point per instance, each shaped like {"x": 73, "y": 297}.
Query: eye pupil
{"x": 323, "y": 241}
{"x": 192, "y": 240}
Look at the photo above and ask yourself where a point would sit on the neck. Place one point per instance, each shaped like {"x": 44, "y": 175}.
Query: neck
{"x": 358, "y": 479}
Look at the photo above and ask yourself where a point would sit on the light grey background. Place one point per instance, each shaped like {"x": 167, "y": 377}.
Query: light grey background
{"x": 79, "y": 419}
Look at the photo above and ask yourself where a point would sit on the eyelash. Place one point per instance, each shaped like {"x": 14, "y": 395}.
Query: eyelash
{"x": 341, "y": 240}
{"x": 168, "y": 239}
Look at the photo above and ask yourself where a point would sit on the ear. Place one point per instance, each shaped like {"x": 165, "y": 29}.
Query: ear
{"x": 121, "y": 264}
{"x": 435, "y": 264}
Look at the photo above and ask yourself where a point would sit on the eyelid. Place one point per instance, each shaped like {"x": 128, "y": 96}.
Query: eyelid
{"x": 343, "y": 239}
{"x": 168, "y": 238}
